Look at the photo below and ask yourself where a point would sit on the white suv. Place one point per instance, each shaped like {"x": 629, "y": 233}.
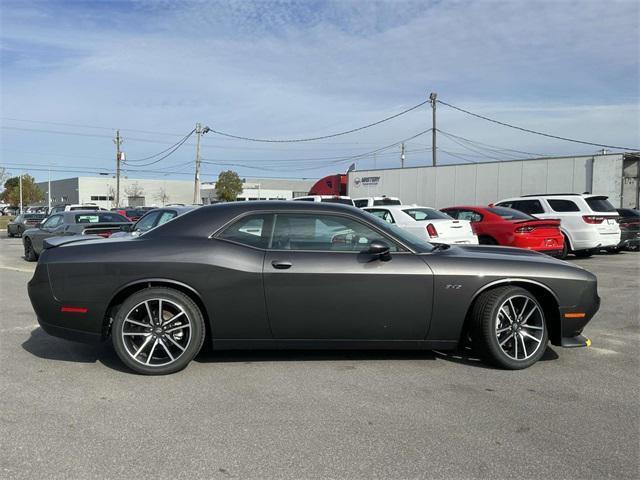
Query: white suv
{"x": 588, "y": 222}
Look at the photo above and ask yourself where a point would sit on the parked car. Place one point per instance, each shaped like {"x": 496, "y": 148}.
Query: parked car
{"x": 133, "y": 214}
{"x": 36, "y": 209}
{"x": 376, "y": 201}
{"x": 77, "y": 222}
{"x": 629, "y": 221}
{"x": 427, "y": 223}
{"x": 204, "y": 276}
{"x": 151, "y": 219}
{"x": 512, "y": 228}
{"x": 326, "y": 199}
{"x": 588, "y": 222}
{"x": 83, "y": 206}
{"x": 10, "y": 211}
{"x": 24, "y": 222}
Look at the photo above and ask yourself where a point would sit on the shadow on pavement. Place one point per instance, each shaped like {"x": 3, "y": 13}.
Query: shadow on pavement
{"x": 43, "y": 345}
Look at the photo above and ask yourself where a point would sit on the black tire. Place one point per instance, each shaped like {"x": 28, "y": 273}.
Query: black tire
{"x": 484, "y": 240}
{"x": 30, "y": 254}
{"x": 164, "y": 365}
{"x": 488, "y": 320}
{"x": 583, "y": 253}
{"x": 9, "y": 234}
{"x": 614, "y": 249}
{"x": 565, "y": 248}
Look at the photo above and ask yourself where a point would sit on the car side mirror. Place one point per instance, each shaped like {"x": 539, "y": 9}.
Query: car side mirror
{"x": 380, "y": 249}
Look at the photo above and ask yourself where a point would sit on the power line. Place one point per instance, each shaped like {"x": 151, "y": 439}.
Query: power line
{"x": 533, "y": 131}
{"x": 174, "y": 148}
{"x": 323, "y": 137}
{"x": 184, "y": 139}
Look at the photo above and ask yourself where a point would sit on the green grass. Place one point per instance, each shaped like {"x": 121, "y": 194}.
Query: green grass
{"x": 4, "y": 220}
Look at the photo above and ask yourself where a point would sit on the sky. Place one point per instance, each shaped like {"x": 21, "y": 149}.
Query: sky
{"x": 72, "y": 72}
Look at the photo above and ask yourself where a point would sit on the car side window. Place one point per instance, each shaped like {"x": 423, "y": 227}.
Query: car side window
{"x": 147, "y": 222}
{"x": 383, "y": 214}
{"x": 53, "y": 222}
{"x": 469, "y": 215}
{"x": 452, "y": 213}
{"x": 528, "y": 206}
{"x": 252, "y": 230}
{"x": 360, "y": 203}
{"x": 166, "y": 216}
{"x": 321, "y": 232}
{"x": 563, "y": 206}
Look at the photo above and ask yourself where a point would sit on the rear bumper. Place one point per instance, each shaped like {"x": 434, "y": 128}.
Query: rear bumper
{"x": 79, "y": 326}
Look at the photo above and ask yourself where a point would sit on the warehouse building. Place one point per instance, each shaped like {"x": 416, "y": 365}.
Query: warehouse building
{"x": 133, "y": 192}
{"x": 155, "y": 192}
{"x": 614, "y": 175}
{"x": 263, "y": 189}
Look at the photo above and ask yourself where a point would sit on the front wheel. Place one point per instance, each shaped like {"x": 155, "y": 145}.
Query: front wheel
{"x": 510, "y": 327}
{"x": 157, "y": 331}
{"x": 29, "y": 252}
{"x": 614, "y": 249}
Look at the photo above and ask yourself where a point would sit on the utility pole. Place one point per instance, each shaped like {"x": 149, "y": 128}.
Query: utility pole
{"x": 196, "y": 184}
{"x": 433, "y": 97}
{"x": 402, "y": 156}
{"x": 49, "y": 191}
{"x": 118, "y": 142}
{"x": 20, "y": 193}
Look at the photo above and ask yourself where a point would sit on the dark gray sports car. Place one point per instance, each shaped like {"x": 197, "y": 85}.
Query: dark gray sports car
{"x": 77, "y": 222}
{"x": 304, "y": 275}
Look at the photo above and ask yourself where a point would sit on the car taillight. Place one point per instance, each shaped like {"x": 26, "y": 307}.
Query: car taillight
{"x": 525, "y": 229}
{"x": 592, "y": 219}
{"x": 431, "y": 230}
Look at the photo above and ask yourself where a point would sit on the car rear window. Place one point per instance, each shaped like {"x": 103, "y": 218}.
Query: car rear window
{"x": 426, "y": 214}
{"x": 629, "y": 212}
{"x": 344, "y": 201}
{"x": 84, "y": 207}
{"x": 563, "y": 206}
{"x": 600, "y": 204}
{"x": 102, "y": 217}
{"x": 386, "y": 201}
{"x": 34, "y": 216}
{"x": 510, "y": 213}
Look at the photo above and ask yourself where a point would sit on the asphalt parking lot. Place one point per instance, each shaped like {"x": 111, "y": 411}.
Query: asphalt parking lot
{"x": 73, "y": 411}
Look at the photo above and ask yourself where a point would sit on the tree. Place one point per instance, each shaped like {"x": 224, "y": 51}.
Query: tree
{"x": 162, "y": 196}
{"x": 111, "y": 192}
{"x": 30, "y": 191}
{"x": 228, "y": 186}
{"x": 134, "y": 190}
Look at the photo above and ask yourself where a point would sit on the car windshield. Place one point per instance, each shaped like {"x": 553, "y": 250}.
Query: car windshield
{"x": 413, "y": 241}
{"x": 600, "y": 204}
{"x": 510, "y": 213}
{"x": 426, "y": 214}
{"x": 101, "y": 217}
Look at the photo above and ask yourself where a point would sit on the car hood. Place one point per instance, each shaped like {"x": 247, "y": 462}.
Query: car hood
{"x": 491, "y": 252}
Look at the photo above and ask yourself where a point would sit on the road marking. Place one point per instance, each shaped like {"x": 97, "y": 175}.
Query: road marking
{"x": 17, "y": 269}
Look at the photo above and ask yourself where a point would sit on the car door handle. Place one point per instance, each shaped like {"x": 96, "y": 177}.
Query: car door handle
{"x": 280, "y": 265}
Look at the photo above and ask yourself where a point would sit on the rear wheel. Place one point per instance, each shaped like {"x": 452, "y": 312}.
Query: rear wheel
{"x": 583, "y": 253}
{"x": 614, "y": 249}
{"x": 565, "y": 247}
{"x": 29, "y": 253}
{"x": 158, "y": 331}
{"x": 510, "y": 327}
{"x": 484, "y": 240}
{"x": 9, "y": 234}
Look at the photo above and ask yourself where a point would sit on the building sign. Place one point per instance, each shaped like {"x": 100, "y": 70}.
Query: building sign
{"x": 366, "y": 181}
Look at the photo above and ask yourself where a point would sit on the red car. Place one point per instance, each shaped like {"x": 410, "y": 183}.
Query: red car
{"x": 512, "y": 228}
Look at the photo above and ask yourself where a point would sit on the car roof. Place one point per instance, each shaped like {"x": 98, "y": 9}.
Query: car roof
{"x": 397, "y": 207}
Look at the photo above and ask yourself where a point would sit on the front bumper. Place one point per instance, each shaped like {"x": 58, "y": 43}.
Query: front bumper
{"x": 572, "y": 326}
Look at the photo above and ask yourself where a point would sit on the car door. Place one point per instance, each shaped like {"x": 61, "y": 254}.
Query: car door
{"x": 49, "y": 228}
{"x": 321, "y": 284}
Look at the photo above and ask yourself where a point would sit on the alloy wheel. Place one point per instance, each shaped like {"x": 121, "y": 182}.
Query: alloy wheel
{"x": 519, "y": 327}
{"x": 156, "y": 332}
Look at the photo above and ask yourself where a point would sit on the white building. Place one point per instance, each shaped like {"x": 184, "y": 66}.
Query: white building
{"x": 133, "y": 192}
{"x": 263, "y": 189}
{"x": 614, "y": 175}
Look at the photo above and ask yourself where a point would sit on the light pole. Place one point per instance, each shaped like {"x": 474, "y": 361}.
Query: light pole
{"x": 21, "y": 194}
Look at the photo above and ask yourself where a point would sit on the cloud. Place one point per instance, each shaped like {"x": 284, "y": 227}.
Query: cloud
{"x": 287, "y": 69}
